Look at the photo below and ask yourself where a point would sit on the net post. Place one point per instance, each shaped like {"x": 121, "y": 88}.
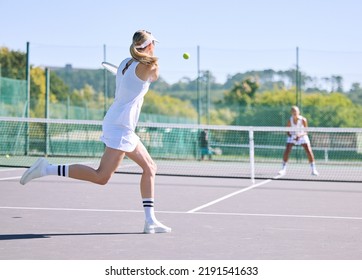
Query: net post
{"x": 27, "y": 114}
{"x": 251, "y": 155}
{"x": 47, "y": 94}
{"x": 0, "y": 87}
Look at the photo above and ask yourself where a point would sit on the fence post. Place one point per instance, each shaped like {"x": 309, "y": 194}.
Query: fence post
{"x": 251, "y": 155}
{"x": 27, "y": 114}
{"x": 47, "y": 93}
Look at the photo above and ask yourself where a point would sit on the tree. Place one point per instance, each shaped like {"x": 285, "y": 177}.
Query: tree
{"x": 337, "y": 83}
{"x": 167, "y": 105}
{"x": 160, "y": 85}
{"x": 58, "y": 88}
{"x": 242, "y": 93}
{"x": 13, "y": 64}
{"x": 331, "y": 110}
{"x": 355, "y": 93}
{"x": 86, "y": 95}
{"x": 222, "y": 116}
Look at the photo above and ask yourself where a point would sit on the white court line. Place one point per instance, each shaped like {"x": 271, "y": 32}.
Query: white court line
{"x": 9, "y": 169}
{"x": 10, "y": 178}
{"x": 180, "y": 212}
{"x": 69, "y": 209}
{"x": 281, "y": 215}
{"x": 231, "y": 195}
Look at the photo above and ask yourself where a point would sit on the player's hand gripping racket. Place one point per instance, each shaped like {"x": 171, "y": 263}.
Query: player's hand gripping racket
{"x": 110, "y": 67}
{"x": 296, "y": 139}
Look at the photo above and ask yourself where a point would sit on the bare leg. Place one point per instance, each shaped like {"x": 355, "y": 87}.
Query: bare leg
{"x": 309, "y": 152}
{"x": 287, "y": 151}
{"x": 110, "y": 161}
{"x": 141, "y": 156}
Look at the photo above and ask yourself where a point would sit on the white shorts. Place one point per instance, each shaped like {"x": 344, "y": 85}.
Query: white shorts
{"x": 119, "y": 137}
{"x": 302, "y": 140}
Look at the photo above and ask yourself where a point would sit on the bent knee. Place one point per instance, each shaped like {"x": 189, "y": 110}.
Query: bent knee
{"x": 103, "y": 179}
{"x": 151, "y": 168}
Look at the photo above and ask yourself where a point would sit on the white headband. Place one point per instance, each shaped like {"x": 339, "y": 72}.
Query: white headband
{"x": 147, "y": 42}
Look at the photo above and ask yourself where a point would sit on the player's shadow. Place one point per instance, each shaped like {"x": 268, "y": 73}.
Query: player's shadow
{"x": 49, "y": 235}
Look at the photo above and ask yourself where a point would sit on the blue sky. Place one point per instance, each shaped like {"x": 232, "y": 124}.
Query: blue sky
{"x": 233, "y": 35}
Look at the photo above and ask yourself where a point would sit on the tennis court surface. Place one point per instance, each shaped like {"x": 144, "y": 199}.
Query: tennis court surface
{"x": 211, "y": 218}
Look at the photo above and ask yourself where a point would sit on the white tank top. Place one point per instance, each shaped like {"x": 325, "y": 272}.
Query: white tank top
{"x": 130, "y": 90}
{"x": 299, "y": 124}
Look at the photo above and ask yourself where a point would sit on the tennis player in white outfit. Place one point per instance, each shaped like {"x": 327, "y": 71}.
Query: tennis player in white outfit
{"x": 133, "y": 79}
{"x": 299, "y": 137}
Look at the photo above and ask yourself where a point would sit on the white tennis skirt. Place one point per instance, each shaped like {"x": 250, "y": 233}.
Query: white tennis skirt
{"x": 119, "y": 137}
{"x": 302, "y": 140}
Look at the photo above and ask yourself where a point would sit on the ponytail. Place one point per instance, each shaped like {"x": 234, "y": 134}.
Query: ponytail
{"x": 141, "y": 39}
{"x": 142, "y": 57}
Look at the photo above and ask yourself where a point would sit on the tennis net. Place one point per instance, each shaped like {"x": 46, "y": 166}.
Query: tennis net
{"x": 232, "y": 151}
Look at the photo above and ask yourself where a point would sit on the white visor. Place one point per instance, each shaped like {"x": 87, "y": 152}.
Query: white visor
{"x": 147, "y": 42}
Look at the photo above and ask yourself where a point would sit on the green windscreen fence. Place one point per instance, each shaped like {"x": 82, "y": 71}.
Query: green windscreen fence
{"x": 12, "y": 97}
{"x": 13, "y": 103}
{"x": 232, "y": 151}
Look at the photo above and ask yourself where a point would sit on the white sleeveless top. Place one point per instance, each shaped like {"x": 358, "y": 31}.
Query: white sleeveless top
{"x": 120, "y": 122}
{"x": 302, "y": 140}
{"x": 299, "y": 124}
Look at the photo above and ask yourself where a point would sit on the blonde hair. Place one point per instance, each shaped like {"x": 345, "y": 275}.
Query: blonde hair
{"x": 138, "y": 53}
{"x": 295, "y": 109}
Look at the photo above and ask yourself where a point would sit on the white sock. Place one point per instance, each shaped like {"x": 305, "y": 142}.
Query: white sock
{"x": 149, "y": 210}
{"x": 60, "y": 170}
{"x": 312, "y": 165}
{"x": 284, "y": 165}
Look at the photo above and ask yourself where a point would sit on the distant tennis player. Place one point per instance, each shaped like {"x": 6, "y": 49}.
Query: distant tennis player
{"x": 204, "y": 144}
{"x": 299, "y": 137}
{"x": 133, "y": 79}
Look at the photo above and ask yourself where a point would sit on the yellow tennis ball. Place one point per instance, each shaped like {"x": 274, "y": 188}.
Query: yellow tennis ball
{"x": 7, "y": 156}
{"x": 186, "y": 55}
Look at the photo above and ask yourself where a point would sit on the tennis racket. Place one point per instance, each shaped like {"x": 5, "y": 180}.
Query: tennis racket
{"x": 110, "y": 67}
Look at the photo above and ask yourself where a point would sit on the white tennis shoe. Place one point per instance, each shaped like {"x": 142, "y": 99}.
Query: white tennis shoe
{"x": 315, "y": 172}
{"x": 282, "y": 172}
{"x": 35, "y": 171}
{"x": 156, "y": 227}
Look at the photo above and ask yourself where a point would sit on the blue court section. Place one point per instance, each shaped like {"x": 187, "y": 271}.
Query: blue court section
{"x": 64, "y": 219}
